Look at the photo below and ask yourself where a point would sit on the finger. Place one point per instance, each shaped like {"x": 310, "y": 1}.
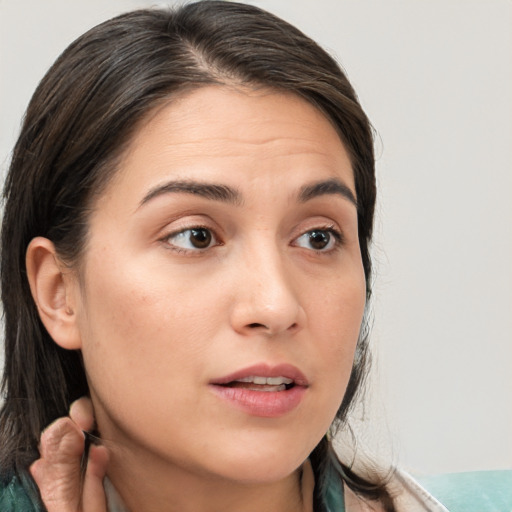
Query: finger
{"x": 81, "y": 412}
{"x": 93, "y": 498}
{"x": 62, "y": 442}
{"x": 57, "y": 472}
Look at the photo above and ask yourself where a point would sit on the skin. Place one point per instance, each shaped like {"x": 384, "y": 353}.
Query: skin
{"x": 158, "y": 319}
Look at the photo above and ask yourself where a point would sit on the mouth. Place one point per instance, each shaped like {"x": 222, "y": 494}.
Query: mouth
{"x": 260, "y": 383}
{"x": 263, "y": 390}
{"x": 264, "y": 377}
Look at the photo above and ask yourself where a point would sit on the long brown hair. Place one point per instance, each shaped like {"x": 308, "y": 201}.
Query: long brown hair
{"x": 77, "y": 124}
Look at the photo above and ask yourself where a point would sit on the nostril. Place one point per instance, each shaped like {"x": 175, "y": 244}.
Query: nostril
{"x": 256, "y": 326}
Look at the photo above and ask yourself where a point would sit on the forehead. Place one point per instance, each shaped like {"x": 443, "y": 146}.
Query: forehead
{"x": 238, "y": 135}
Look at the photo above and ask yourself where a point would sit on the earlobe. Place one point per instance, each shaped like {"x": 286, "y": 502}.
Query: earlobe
{"x": 52, "y": 288}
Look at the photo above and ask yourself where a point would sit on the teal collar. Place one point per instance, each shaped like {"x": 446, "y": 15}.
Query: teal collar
{"x": 333, "y": 493}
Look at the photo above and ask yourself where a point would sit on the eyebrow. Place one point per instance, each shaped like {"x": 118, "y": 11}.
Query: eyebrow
{"x": 326, "y": 187}
{"x": 213, "y": 191}
{"x": 227, "y": 194}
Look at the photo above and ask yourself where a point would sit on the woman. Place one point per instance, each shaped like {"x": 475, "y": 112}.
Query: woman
{"x": 185, "y": 240}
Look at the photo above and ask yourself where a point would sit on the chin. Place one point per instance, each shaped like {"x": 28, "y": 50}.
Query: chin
{"x": 259, "y": 466}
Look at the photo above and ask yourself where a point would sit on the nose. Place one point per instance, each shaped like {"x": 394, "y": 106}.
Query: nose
{"x": 266, "y": 301}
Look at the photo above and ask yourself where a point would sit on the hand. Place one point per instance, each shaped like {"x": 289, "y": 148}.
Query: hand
{"x": 59, "y": 472}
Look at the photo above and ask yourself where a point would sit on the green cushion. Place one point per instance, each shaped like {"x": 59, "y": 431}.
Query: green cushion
{"x": 478, "y": 491}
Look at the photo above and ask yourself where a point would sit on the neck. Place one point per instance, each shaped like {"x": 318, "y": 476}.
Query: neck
{"x": 146, "y": 487}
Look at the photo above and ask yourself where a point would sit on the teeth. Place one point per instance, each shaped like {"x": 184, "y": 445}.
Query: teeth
{"x": 269, "y": 381}
{"x": 276, "y": 381}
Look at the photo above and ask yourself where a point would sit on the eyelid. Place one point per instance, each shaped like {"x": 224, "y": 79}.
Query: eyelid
{"x": 320, "y": 224}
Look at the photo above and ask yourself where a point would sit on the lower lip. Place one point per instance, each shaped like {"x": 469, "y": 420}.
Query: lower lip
{"x": 265, "y": 404}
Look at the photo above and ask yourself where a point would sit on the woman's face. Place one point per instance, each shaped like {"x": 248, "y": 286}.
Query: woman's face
{"x": 224, "y": 252}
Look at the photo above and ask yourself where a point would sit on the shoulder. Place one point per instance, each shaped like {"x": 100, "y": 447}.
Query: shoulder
{"x": 354, "y": 503}
{"x": 338, "y": 497}
{"x": 14, "y": 497}
{"x": 457, "y": 492}
{"x": 409, "y": 494}
{"x": 406, "y": 494}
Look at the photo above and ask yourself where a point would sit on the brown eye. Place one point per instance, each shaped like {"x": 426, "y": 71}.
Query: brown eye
{"x": 192, "y": 238}
{"x": 318, "y": 240}
{"x": 200, "y": 238}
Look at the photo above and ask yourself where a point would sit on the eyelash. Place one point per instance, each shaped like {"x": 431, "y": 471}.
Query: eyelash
{"x": 331, "y": 230}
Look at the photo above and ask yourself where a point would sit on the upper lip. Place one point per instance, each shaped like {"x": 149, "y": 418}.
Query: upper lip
{"x": 265, "y": 370}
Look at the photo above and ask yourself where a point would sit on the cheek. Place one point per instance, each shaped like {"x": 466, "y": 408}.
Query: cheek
{"x": 144, "y": 352}
{"x": 337, "y": 310}
{"x": 143, "y": 327}
{"x": 335, "y": 321}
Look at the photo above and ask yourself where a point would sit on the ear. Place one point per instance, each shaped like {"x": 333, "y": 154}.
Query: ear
{"x": 53, "y": 288}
